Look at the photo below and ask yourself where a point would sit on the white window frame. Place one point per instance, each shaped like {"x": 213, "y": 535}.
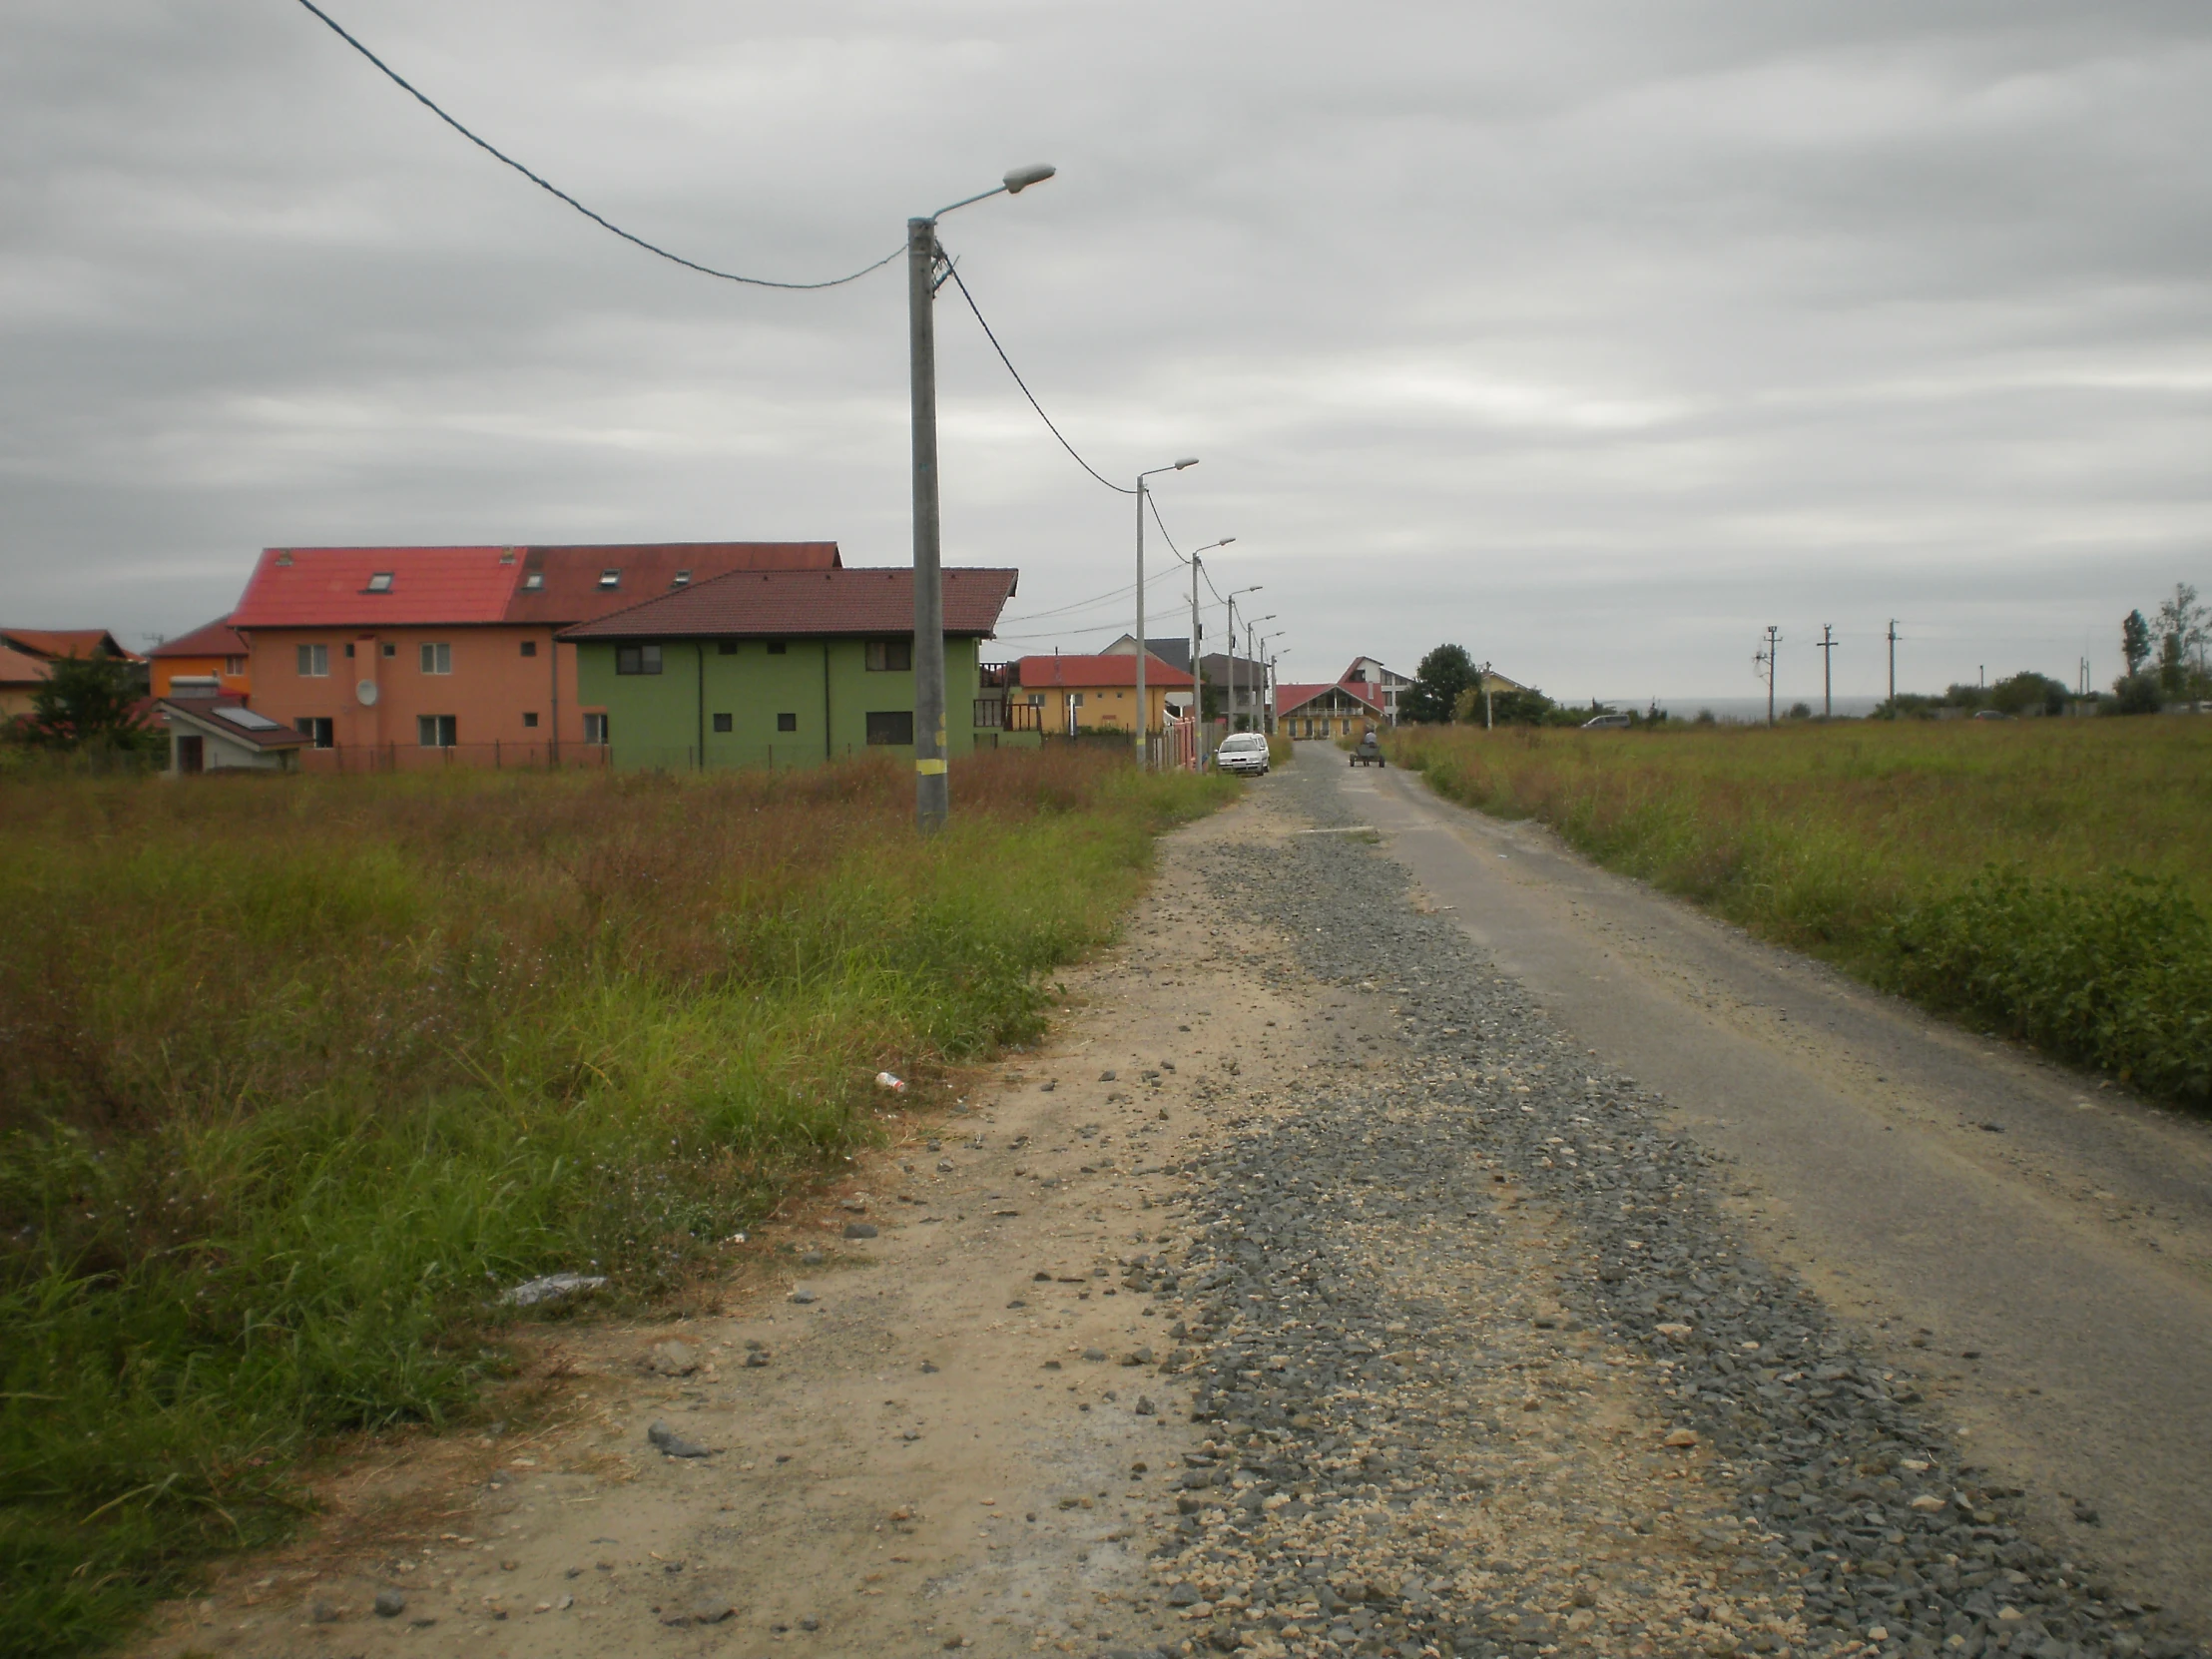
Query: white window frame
{"x": 437, "y": 657}
{"x": 315, "y": 662}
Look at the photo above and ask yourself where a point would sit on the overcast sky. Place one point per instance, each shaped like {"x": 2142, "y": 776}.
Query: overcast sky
{"x": 1594, "y": 337}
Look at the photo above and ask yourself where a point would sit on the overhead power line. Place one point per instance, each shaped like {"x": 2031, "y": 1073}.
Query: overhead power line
{"x": 953, "y": 271}
{"x": 552, "y": 188}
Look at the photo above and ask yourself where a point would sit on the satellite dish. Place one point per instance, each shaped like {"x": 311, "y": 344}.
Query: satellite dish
{"x": 366, "y": 692}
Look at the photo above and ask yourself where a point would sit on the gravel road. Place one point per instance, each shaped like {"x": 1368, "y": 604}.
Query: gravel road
{"x": 1382, "y": 1366}
{"x": 1309, "y": 1292}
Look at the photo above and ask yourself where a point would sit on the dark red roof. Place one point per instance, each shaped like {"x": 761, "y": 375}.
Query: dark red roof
{"x": 233, "y": 718}
{"x": 328, "y": 587}
{"x": 792, "y": 604}
{"x": 211, "y": 639}
{"x": 1112, "y": 669}
{"x": 65, "y": 642}
{"x": 1290, "y": 698}
{"x": 569, "y": 578}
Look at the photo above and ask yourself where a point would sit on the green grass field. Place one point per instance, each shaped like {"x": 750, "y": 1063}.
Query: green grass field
{"x": 2050, "y": 878}
{"x": 302, "y": 1072}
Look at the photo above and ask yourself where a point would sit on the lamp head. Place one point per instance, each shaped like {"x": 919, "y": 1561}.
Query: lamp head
{"x": 1021, "y": 178}
{"x": 1225, "y": 541}
{"x": 1188, "y": 461}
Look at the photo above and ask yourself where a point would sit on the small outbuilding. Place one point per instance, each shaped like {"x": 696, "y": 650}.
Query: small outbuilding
{"x": 217, "y": 733}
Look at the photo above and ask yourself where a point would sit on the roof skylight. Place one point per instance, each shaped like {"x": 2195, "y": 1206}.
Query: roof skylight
{"x": 610, "y": 578}
{"x": 381, "y": 582}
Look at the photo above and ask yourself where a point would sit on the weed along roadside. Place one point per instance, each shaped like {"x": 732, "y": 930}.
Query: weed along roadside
{"x": 303, "y": 1074}
{"x": 2050, "y": 879}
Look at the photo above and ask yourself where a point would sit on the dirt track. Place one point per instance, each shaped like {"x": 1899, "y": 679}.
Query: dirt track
{"x": 1308, "y": 1330}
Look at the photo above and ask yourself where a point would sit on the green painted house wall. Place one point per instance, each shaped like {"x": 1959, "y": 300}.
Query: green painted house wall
{"x": 662, "y": 720}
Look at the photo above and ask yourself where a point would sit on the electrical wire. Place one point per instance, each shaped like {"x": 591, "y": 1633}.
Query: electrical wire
{"x": 554, "y": 190}
{"x": 953, "y": 271}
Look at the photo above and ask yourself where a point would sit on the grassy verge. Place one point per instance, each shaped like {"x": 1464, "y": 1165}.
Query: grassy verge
{"x": 2050, "y": 878}
{"x": 302, "y": 1072}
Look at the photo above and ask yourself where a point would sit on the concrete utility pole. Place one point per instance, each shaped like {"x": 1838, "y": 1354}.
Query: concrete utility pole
{"x": 1893, "y": 665}
{"x": 1489, "y": 710}
{"x": 932, "y": 798}
{"x": 1765, "y": 657}
{"x": 1827, "y": 677}
{"x": 1143, "y": 650}
{"x": 1233, "y": 597}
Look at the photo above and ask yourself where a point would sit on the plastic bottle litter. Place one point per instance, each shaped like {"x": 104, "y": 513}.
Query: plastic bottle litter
{"x": 885, "y": 1080}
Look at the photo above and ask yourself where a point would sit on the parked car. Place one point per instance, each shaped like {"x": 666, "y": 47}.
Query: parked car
{"x": 1245, "y": 751}
{"x": 1605, "y": 722}
{"x": 1370, "y": 751}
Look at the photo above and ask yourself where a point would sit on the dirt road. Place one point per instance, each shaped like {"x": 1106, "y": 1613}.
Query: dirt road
{"x": 1311, "y": 1292}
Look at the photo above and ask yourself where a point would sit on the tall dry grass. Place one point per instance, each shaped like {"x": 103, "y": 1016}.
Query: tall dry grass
{"x": 2050, "y": 877}
{"x": 299, "y": 1072}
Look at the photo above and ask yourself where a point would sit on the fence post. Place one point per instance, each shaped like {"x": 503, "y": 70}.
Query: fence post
{"x": 495, "y": 753}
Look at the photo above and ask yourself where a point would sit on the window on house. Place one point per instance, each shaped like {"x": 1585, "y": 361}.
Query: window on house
{"x": 390, "y": 649}
{"x": 381, "y": 582}
{"x": 990, "y": 713}
{"x": 595, "y": 729}
{"x": 529, "y": 648}
{"x": 682, "y": 579}
{"x": 435, "y": 730}
{"x": 891, "y": 657}
{"x": 723, "y": 722}
{"x": 531, "y": 720}
{"x": 317, "y": 730}
{"x": 315, "y": 662}
{"x": 348, "y": 650}
{"x": 786, "y": 723}
{"x": 437, "y": 658}
{"x": 726, "y": 648}
{"x": 234, "y": 664}
{"x": 610, "y": 578}
{"x": 891, "y": 726}
{"x": 777, "y": 647}
{"x": 534, "y": 581}
{"x": 637, "y": 659}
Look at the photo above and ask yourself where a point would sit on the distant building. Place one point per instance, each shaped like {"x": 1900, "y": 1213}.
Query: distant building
{"x": 1387, "y": 683}
{"x": 210, "y": 661}
{"x": 1073, "y": 695}
{"x": 221, "y": 734}
{"x": 411, "y": 656}
{"x": 786, "y": 668}
{"x": 25, "y": 652}
{"x": 1340, "y": 710}
{"x": 1250, "y": 684}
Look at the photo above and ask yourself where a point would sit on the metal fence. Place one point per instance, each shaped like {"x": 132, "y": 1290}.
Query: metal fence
{"x": 497, "y": 755}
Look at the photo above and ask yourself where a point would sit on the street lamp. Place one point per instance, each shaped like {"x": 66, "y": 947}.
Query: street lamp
{"x": 931, "y": 793}
{"x": 1253, "y": 657}
{"x": 1142, "y": 649}
{"x": 1255, "y": 588}
{"x": 1198, "y": 634}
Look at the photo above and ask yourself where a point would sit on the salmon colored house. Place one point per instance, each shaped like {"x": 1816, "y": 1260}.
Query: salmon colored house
{"x": 208, "y": 662}
{"x": 397, "y": 657}
{"x": 25, "y": 652}
{"x": 1096, "y": 694}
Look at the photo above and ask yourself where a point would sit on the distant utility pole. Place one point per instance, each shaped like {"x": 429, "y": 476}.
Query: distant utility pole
{"x": 2085, "y": 676}
{"x": 1828, "y": 676}
{"x": 1489, "y": 709}
{"x": 1763, "y": 657}
{"x": 1893, "y": 665}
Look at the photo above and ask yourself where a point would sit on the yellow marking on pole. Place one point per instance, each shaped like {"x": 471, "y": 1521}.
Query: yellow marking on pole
{"x": 929, "y": 768}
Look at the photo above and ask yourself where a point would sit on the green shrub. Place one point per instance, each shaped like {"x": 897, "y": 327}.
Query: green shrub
{"x": 2114, "y": 972}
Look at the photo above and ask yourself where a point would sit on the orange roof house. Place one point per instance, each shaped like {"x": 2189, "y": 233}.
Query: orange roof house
{"x": 1325, "y": 710}
{"x": 413, "y": 654}
{"x": 211, "y": 659}
{"x": 1097, "y": 694}
{"x": 25, "y": 652}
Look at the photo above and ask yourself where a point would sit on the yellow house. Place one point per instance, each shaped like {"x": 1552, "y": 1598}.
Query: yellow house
{"x": 1096, "y": 694}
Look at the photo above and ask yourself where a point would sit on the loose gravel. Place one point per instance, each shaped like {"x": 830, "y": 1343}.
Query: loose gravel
{"x": 1484, "y": 1368}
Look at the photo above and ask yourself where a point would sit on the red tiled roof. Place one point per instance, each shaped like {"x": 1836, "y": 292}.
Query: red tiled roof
{"x": 1082, "y": 673}
{"x": 211, "y": 639}
{"x": 65, "y": 642}
{"x": 328, "y": 587}
{"x": 18, "y": 668}
{"x": 794, "y": 604}
{"x": 1288, "y": 698}
{"x": 569, "y": 578}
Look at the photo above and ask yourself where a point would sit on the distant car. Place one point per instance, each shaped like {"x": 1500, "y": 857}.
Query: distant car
{"x": 1245, "y": 751}
{"x": 1990, "y": 714}
{"x": 1370, "y": 751}
{"x": 1604, "y": 722}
